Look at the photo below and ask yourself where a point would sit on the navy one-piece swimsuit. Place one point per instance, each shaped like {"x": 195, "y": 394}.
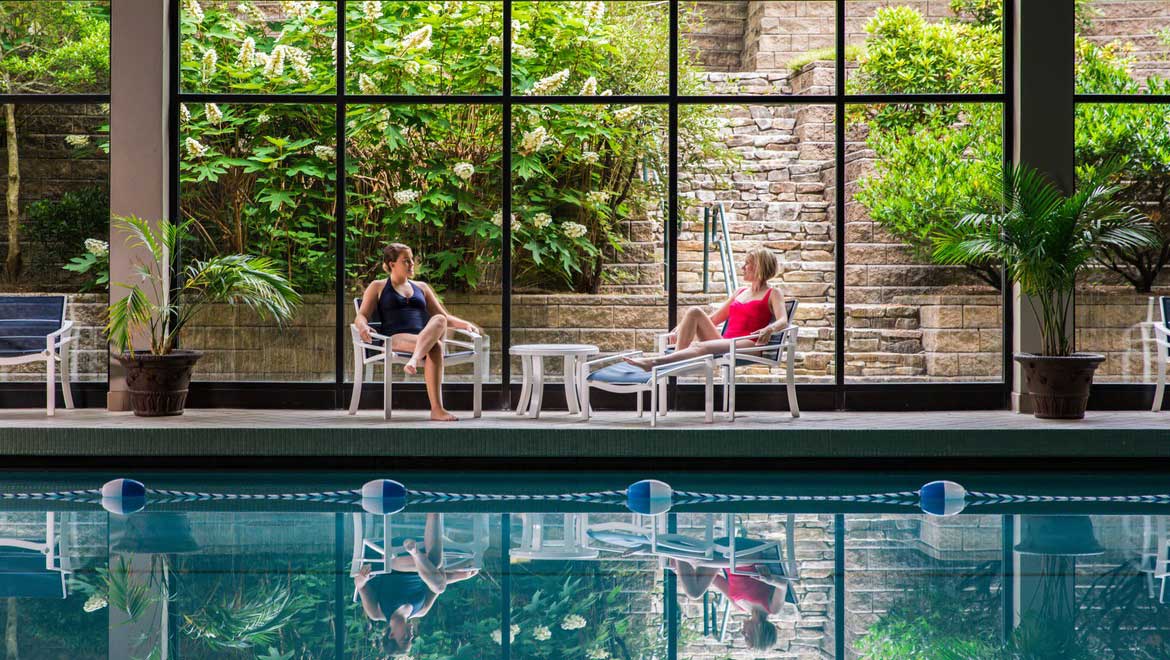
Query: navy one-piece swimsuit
{"x": 402, "y": 314}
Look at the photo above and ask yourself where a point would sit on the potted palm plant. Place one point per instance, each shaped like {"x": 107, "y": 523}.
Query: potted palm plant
{"x": 1044, "y": 238}
{"x": 157, "y": 375}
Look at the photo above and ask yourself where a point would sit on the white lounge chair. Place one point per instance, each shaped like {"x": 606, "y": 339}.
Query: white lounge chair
{"x": 34, "y": 568}
{"x": 535, "y": 541}
{"x": 374, "y": 543}
{"x": 779, "y": 351}
{"x": 367, "y": 354}
{"x": 618, "y": 376}
{"x": 1161, "y": 349}
{"x": 34, "y": 329}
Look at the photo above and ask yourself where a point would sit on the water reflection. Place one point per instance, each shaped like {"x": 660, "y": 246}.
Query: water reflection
{"x": 584, "y": 581}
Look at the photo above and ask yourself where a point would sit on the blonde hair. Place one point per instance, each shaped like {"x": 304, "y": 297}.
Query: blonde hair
{"x": 765, "y": 262}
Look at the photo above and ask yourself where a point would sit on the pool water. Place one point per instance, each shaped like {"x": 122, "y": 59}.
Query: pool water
{"x": 709, "y": 567}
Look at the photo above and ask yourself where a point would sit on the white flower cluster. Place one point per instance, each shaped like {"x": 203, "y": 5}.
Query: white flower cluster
{"x": 596, "y": 197}
{"x": 464, "y": 170}
{"x": 97, "y": 248}
{"x": 541, "y": 220}
{"x": 498, "y": 218}
{"x": 574, "y": 230}
{"x": 192, "y": 8}
{"x": 594, "y": 12}
{"x": 95, "y": 602}
{"x": 573, "y": 621}
{"x": 210, "y": 58}
{"x": 194, "y": 149}
{"x": 323, "y": 152}
{"x": 541, "y": 633}
{"x": 184, "y": 113}
{"x": 549, "y": 84}
{"x": 494, "y": 41}
{"x": 590, "y": 87}
{"x": 512, "y": 632}
{"x": 263, "y": 118}
{"x": 348, "y": 52}
{"x": 590, "y": 157}
{"x": 533, "y": 141}
{"x": 597, "y": 653}
{"x": 214, "y": 115}
{"x": 298, "y": 8}
{"x": 522, "y": 51}
{"x": 412, "y": 68}
{"x": 247, "y": 56}
{"x": 627, "y": 113}
{"x": 406, "y": 196}
{"x": 420, "y": 39}
{"x": 372, "y": 10}
{"x": 250, "y": 11}
{"x": 77, "y": 141}
{"x": 367, "y": 85}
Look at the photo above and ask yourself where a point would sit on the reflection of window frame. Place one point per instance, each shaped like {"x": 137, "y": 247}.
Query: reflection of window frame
{"x": 945, "y": 395}
{"x": 31, "y": 394}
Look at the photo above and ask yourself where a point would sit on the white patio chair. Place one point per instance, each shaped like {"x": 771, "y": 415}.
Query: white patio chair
{"x": 535, "y": 541}
{"x": 463, "y": 548}
{"x": 625, "y": 378}
{"x": 779, "y": 351}
{"x": 1161, "y": 350}
{"x": 366, "y": 355}
{"x": 34, "y": 329}
{"x": 34, "y": 568}
{"x": 1155, "y": 556}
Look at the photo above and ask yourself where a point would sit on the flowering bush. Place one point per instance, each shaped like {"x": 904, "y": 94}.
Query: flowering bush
{"x": 260, "y": 179}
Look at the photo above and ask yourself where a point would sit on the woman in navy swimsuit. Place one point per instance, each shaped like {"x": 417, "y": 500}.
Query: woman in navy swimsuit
{"x": 414, "y": 319}
{"x": 411, "y": 589}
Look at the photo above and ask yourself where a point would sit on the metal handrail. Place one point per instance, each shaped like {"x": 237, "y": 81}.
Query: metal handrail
{"x": 711, "y": 214}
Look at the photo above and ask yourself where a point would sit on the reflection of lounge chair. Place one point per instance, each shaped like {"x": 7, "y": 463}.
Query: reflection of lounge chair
{"x": 1161, "y": 349}
{"x": 366, "y": 355}
{"x": 463, "y": 547}
{"x": 34, "y": 568}
{"x": 1155, "y": 557}
{"x": 535, "y": 544}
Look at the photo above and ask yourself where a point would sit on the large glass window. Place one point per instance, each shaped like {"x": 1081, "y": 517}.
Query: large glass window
{"x": 54, "y": 166}
{"x": 588, "y": 202}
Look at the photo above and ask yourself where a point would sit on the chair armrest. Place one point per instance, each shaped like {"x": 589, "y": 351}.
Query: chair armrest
{"x": 1161, "y": 329}
{"x": 60, "y": 336}
{"x": 610, "y": 358}
{"x": 467, "y": 333}
{"x": 662, "y": 340}
{"x": 66, "y": 328}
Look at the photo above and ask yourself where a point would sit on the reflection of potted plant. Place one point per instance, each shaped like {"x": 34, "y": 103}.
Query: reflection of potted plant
{"x": 157, "y": 378}
{"x": 1044, "y": 239}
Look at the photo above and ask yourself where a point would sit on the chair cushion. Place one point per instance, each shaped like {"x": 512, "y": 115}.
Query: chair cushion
{"x": 620, "y": 539}
{"x": 25, "y": 321}
{"x": 621, "y": 373}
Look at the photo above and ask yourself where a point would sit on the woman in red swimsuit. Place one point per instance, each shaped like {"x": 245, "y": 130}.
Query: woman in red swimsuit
{"x": 758, "y": 597}
{"x": 753, "y": 314}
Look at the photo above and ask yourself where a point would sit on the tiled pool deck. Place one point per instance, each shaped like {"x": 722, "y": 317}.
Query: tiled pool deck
{"x": 254, "y": 436}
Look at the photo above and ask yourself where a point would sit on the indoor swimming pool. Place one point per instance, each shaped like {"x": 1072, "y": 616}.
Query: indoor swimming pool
{"x": 555, "y": 566}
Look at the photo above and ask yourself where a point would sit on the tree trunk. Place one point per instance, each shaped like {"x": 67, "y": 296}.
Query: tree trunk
{"x": 10, "y": 642}
{"x": 14, "y": 261}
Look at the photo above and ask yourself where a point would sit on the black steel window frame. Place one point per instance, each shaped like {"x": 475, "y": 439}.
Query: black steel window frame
{"x": 85, "y": 394}
{"x": 840, "y": 395}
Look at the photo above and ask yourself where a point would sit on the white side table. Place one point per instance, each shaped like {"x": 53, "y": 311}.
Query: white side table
{"x": 532, "y": 360}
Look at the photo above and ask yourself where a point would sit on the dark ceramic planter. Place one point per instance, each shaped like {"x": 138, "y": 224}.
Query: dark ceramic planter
{"x": 1059, "y": 386}
{"x": 158, "y": 383}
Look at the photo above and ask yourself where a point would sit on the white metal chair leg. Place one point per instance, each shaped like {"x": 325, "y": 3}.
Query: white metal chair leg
{"x": 726, "y": 388}
{"x": 358, "y": 374}
{"x": 66, "y": 373}
{"x": 50, "y": 381}
{"x": 793, "y": 405}
{"x": 388, "y": 378}
{"x": 583, "y": 389}
{"x": 730, "y": 384}
{"x": 709, "y": 396}
{"x": 1161, "y": 388}
{"x": 653, "y": 401}
{"x": 477, "y": 390}
{"x": 638, "y": 396}
{"x": 570, "y": 371}
{"x": 662, "y": 400}
{"x": 537, "y": 385}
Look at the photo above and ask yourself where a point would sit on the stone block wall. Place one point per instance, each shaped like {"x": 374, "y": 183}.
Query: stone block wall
{"x": 1113, "y": 320}
{"x": 49, "y": 166}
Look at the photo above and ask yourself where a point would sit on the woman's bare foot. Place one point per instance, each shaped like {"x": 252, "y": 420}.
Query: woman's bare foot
{"x": 442, "y": 415}
{"x": 642, "y": 363}
{"x": 410, "y": 546}
{"x": 411, "y": 367}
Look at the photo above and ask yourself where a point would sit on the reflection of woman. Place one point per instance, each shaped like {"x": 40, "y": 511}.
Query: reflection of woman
{"x": 409, "y": 591}
{"x": 758, "y": 597}
{"x": 414, "y": 318}
{"x": 753, "y": 314}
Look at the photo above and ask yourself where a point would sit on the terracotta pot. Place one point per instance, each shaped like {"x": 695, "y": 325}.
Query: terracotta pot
{"x": 1059, "y": 385}
{"x": 158, "y": 383}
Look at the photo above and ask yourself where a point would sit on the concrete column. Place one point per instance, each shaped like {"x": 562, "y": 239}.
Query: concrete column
{"x": 1044, "y": 126}
{"x": 138, "y": 136}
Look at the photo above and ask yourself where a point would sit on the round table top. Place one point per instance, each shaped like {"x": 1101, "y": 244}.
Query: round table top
{"x": 553, "y": 349}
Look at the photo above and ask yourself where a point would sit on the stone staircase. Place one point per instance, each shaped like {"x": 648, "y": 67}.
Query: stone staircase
{"x": 719, "y": 40}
